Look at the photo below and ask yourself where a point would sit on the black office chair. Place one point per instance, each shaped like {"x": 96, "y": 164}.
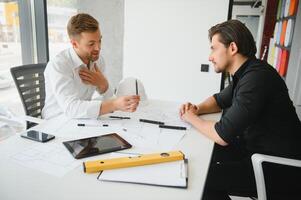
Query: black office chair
{"x": 258, "y": 161}
{"x": 29, "y": 80}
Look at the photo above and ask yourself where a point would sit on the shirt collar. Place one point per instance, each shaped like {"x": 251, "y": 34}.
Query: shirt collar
{"x": 238, "y": 74}
{"x": 77, "y": 61}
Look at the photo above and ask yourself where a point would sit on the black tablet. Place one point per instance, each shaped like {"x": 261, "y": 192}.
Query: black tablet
{"x": 96, "y": 145}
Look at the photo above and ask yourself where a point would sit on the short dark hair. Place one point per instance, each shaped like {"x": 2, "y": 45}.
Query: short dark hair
{"x": 235, "y": 31}
{"x": 81, "y": 22}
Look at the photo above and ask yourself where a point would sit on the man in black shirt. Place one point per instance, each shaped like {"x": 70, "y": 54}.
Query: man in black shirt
{"x": 258, "y": 116}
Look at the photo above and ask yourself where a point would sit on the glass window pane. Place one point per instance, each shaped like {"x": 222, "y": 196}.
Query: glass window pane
{"x": 10, "y": 54}
{"x": 10, "y": 45}
{"x": 58, "y": 14}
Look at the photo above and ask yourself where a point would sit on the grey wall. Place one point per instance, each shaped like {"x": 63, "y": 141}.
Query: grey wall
{"x": 293, "y": 77}
{"x": 110, "y": 14}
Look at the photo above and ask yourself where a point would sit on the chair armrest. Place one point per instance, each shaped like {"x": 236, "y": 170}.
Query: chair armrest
{"x": 258, "y": 159}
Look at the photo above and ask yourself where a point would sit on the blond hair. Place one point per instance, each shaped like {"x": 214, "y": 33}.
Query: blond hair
{"x": 81, "y": 22}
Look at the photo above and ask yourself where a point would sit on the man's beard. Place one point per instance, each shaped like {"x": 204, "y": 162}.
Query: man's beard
{"x": 218, "y": 70}
{"x": 92, "y": 57}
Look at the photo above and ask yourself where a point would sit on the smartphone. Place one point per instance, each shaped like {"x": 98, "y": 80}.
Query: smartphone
{"x": 37, "y": 136}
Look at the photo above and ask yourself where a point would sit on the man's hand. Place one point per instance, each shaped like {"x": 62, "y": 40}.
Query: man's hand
{"x": 94, "y": 77}
{"x": 189, "y": 115}
{"x": 188, "y": 111}
{"x": 127, "y": 103}
{"x": 188, "y": 106}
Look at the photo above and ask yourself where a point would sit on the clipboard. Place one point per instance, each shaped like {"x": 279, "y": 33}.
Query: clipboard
{"x": 171, "y": 174}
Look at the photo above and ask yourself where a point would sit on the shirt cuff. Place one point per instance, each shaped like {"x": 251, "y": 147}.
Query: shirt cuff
{"x": 222, "y": 133}
{"x": 93, "y": 109}
{"x": 107, "y": 94}
{"x": 218, "y": 100}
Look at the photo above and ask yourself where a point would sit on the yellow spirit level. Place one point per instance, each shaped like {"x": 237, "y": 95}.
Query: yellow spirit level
{"x": 147, "y": 159}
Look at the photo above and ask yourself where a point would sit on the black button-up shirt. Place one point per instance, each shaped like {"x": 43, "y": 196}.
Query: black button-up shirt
{"x": 259, "y": 117}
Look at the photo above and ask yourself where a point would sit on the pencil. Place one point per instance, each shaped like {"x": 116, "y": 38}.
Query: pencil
{"x": 136, "y": 87}
{"x": 151, "y": 121}
{"x": 172, "y": 127}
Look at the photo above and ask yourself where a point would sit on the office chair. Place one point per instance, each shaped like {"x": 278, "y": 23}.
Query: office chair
{"x": 30, "y": 83}
{"x": 257, "y": 161}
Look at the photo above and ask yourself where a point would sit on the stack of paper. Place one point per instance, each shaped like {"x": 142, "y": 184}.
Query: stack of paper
{"x": 170, "y": 174}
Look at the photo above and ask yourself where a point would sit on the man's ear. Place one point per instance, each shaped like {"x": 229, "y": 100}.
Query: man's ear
{"x": 233, "y": 48}
{"x": 74, "y": 43}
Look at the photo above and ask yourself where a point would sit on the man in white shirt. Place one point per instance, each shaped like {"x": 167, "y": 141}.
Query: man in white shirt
{"x": 75, "y": 74}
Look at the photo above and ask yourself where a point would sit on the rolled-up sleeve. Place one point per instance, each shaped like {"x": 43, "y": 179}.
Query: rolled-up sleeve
{"x": 245, "y": 109}
{"x": 65, "y": 91}
{"x": 224, "y": 98}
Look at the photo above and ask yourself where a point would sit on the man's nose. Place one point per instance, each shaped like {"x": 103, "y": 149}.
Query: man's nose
{"x": 210, "y": 58}
{"x": 97, "y": 47}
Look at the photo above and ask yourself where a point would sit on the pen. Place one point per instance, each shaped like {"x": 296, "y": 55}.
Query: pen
{"x": 136, "y": 87}
{"x": 93, "y": 125}
{"x": 151, "y": 121}
{"x": 118, "y": 117}
{"x": 172, "y": 127}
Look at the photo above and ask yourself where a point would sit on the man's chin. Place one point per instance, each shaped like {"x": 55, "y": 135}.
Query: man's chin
{"x": 217, "y": 70}
{"x": 94, "y": 57}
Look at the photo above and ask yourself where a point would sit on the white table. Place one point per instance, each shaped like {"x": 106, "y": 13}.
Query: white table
{"x": 18, "y": 182}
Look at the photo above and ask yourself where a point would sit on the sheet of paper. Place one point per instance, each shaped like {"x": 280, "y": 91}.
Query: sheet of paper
{"x": 101, "y": 122}
{"x": 53, "y": 125}
{"x": 2, "y": 124}
{"x": 71, "y": 130}
{"x": 6, "y": 131}
{"x": 139, "y": 135}
{"x": 51, "y": 158}
{"x": 163, "y": 174}
{"x": 152, "y": 137}
{"x": 169, "y": 114}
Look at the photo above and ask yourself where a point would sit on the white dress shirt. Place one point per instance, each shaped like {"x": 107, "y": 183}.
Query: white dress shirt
{"x": 65, "y": 91}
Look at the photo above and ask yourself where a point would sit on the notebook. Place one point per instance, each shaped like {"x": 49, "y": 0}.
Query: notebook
{"x": 169, "y": 174}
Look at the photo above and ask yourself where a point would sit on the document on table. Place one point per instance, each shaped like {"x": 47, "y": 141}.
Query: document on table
{"x": 151, "y": 137}
{"x": 91, "y": 128}
{"x": 5, "y": 131}
{"x": 170, "y": 174}
{"x": 140, "y": 135}
{"x": 167, "y": 114}
{"x": 53, "y": 125}
{"x": 51, "y": 158}
{"x": 2, "y": 124}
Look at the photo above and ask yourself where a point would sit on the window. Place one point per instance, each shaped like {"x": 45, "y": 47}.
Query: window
{"x": 10, "y": 45}
{"x": 10, "y": 53}
{"x": 58, "y": 14}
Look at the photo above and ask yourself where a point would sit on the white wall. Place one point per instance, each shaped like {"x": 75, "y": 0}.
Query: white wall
{"x": 165, "y": 43}
{"x": 110, "y": 14}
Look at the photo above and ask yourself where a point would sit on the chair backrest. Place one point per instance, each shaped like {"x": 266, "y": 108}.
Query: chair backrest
{"x": 30, "y": 83}
{"x": 257, "y": 162}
